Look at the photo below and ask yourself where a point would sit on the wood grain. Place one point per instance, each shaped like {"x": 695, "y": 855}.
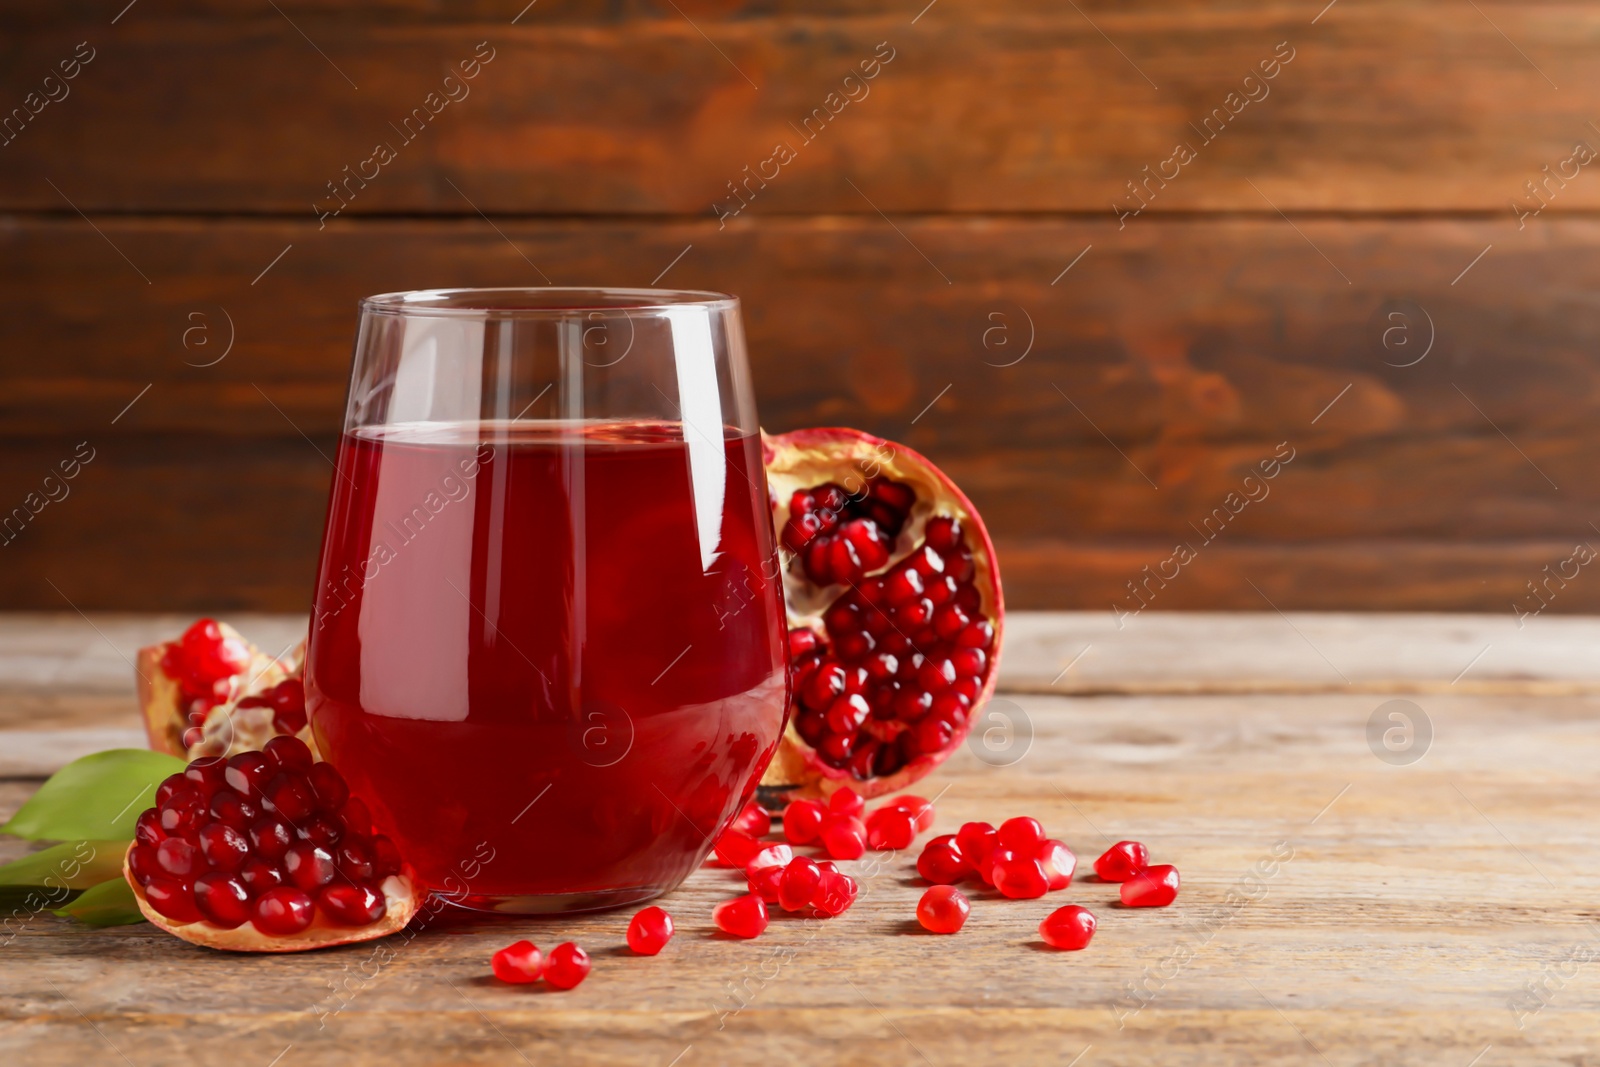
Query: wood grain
{"x": 1413, "y": 910}
{"x": 630, "y": 108}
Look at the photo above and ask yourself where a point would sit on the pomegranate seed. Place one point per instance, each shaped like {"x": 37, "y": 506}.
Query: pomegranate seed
{"x": 309, "y": 866}
{"x": 352, "y": 905}
{"x": 229, "y": 807}
{"x": 919, "y": 808}
{"x": 288, "y": 754}
{"x": 1058, "y": 862}
{"x": 171, "y": 786}
{"x": 902, "y": 586}
{"x": 890, "y": 829}
{"x": 385, "y": 857}
{"x": 847, "y": 801}
{"x": 224, "y": 848}
{"x": 752, "y": 820}
{"x": 1153, "y": 887}
{"x": 289, "y": 706}
{"x": 827, "y": 865}
{"x": 942, "y": 862}
{"x": 356, "y": 817}
{"x": 744, "y": 916}
{"x": 844, "y": 837}
{"x": 260, "y": 875}
{"x": 1070, "y": 927}
{"x": 142, "y": 864}
{"x": 845, "y": 715}
{"x": 942, "y": 533}
{"x": 147, "y": 828}
{"x": 1022, "y": 833}
{"x": 798, "y": 884}
{"x": 835, "y": 893}
{"x": 735, "y": 849}
{"x": 969, "y": 662}
{"x": 271, "y": 837}
{"x": 321, "y": 830}
{"x": 911, "y": 705}
{"x": 979, "y": 634}
{"x": 803, "y": 642}
{"x": 1020, "y": 878}
{"x": 566, "y": 966}
{"x": 977, "y": 841}
{"x": 771, "y": 856}
{"x": 288, "y": 794}
{"x": 949, "y": 621}
{"x": 943, "y": 910}
{"x": 222, "y": 899}
{"x": 178, "y": 859}
{"x": 172, "y": 898}
{"x": 283, "y": 911}
{"x": 354, "y": 861}
{"x": 766, "y": 883}
{"x": 934, "y": 675}
{"x": 328, "y": 787}
{"x": 184, "y": 813}
{"x": 1122, "y": 861}
{"x": 649, "y": 931}
{"x": 824, "y": 687}
{"x": 248, "y": 772}
{"x": 518, "y": 963}
{"x": 207, "y": 774}
{"x": 802, "y": 822}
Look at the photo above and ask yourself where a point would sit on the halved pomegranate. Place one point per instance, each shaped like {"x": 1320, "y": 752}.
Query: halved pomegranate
{"x": 212, "y": 693}
{"x": 895, "y": 613}
{"x": 266, "y": 852}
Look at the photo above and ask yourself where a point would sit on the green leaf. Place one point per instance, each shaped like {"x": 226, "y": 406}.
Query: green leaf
{"x": 107, "y": 904}
{"x": 98, "y": 797}
{"x": 71, "y": 865}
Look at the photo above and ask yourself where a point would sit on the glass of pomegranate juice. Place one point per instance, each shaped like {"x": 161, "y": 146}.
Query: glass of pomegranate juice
{"x": 548, "y": 644}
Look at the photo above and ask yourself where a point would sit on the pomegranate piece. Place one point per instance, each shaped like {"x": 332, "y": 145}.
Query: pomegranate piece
{"x": 895, "y": 613}
{"x": 566, "y": 966}
{"x": 744, "y": 916}
{"x": 649, "y": 931}
{"x": 518, "y": 963}
{"x": 1070, "y": 927}
{"x": 844, "y": 837}
{"x": 1020, "y": 877}
{"x": 943, "y": 910}
{"x": 797, "y": 886}
{"x": 1022, "y": 833}
{"x": 890, "y": 829}
{"x": 802, "y": 822}
{"x": 220, "y": 861}
{"x": 735, "y": 849}
{"x": 1153, "y": 887}
{"x": 212, "y": 693}
{"x": 942, "y": 861}
{"x": 753, "y": 820}
{"x": 1058, "y": 862}
{"x": 1122, "y": 861}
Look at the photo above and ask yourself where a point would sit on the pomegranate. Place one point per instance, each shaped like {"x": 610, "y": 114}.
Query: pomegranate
{"x": 649, "y": 931}
{"x": 212, "y": 693}
{"x": 1068, "y": 928}
{"x": 518, "y": 963}
{"x": 895, "y": 613}
{"x": 266, "y": 852}
{"x": 1153, "y": 887}
{"x": 943, "y": 910}
{"x": 566, "y": 966}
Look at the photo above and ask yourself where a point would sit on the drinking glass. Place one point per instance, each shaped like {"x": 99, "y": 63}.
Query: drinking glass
{"x": 548, "y": 646}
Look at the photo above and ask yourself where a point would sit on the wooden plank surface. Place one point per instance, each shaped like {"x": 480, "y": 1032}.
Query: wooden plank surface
{"x": 654, "y": 108}
{"x": 1165, "y": 367}
{"x": 1410, "y": 907}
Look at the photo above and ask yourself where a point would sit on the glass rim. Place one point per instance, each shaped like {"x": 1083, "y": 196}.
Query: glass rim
{"x": 552, "y": 301}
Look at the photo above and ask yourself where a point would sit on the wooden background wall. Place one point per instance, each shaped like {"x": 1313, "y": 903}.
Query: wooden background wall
{"x": 893, "y": 273}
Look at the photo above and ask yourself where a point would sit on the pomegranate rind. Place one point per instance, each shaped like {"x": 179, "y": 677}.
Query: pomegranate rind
{"x": 806, "y": 458}
{"x": 228, "y": 729}
{"x": 400, "y": 898}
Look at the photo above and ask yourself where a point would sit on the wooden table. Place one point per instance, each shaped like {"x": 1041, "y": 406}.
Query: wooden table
{"x": 1337, "y": 907}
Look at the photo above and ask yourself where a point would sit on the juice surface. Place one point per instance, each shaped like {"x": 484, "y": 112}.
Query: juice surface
{"x": 550, "y": 657}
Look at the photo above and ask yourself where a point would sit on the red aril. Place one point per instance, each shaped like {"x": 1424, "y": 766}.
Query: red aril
{"x": 1070, "y": 927}
{"x": 802, "y": 822}
{"x": 1058, "y": 862}
{"x": 847, "y": 801}
{"x": 890, "y": 829}
{"x": 765, "y": 883}
{"x": 735, "y": 849}
{"x": 226, "y": 872}
{"x": 649, "y": 931}
{"x": 943, "y": 910}
{"x": 1153, "y": 887}
{"x": 1022, "y": 833}
{"x": 753, "y": 820}
{"x": 895, "y": 612}
{"x": 518, "y": 963}
{"x": 1122, "y": 861}
{"x": 771, "y": 856}
{"x": 844, "y": 837}
{"x": 977, "y": 840}
{"x": 744, "y": 916}
{"x": 797, "y": 886}
{"x": 1020, "y": 878}
{"x": 919, "y": 808}
{"x": 566, "y": 966}
{"x": 835, "y": 893}
{"x": 942, "y": 861}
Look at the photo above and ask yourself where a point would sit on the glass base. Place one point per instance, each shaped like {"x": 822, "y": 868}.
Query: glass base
{"x": 558, "y": 903}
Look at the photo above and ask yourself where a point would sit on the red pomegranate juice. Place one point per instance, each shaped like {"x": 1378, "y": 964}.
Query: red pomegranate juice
{"x": 550, "y": 658}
